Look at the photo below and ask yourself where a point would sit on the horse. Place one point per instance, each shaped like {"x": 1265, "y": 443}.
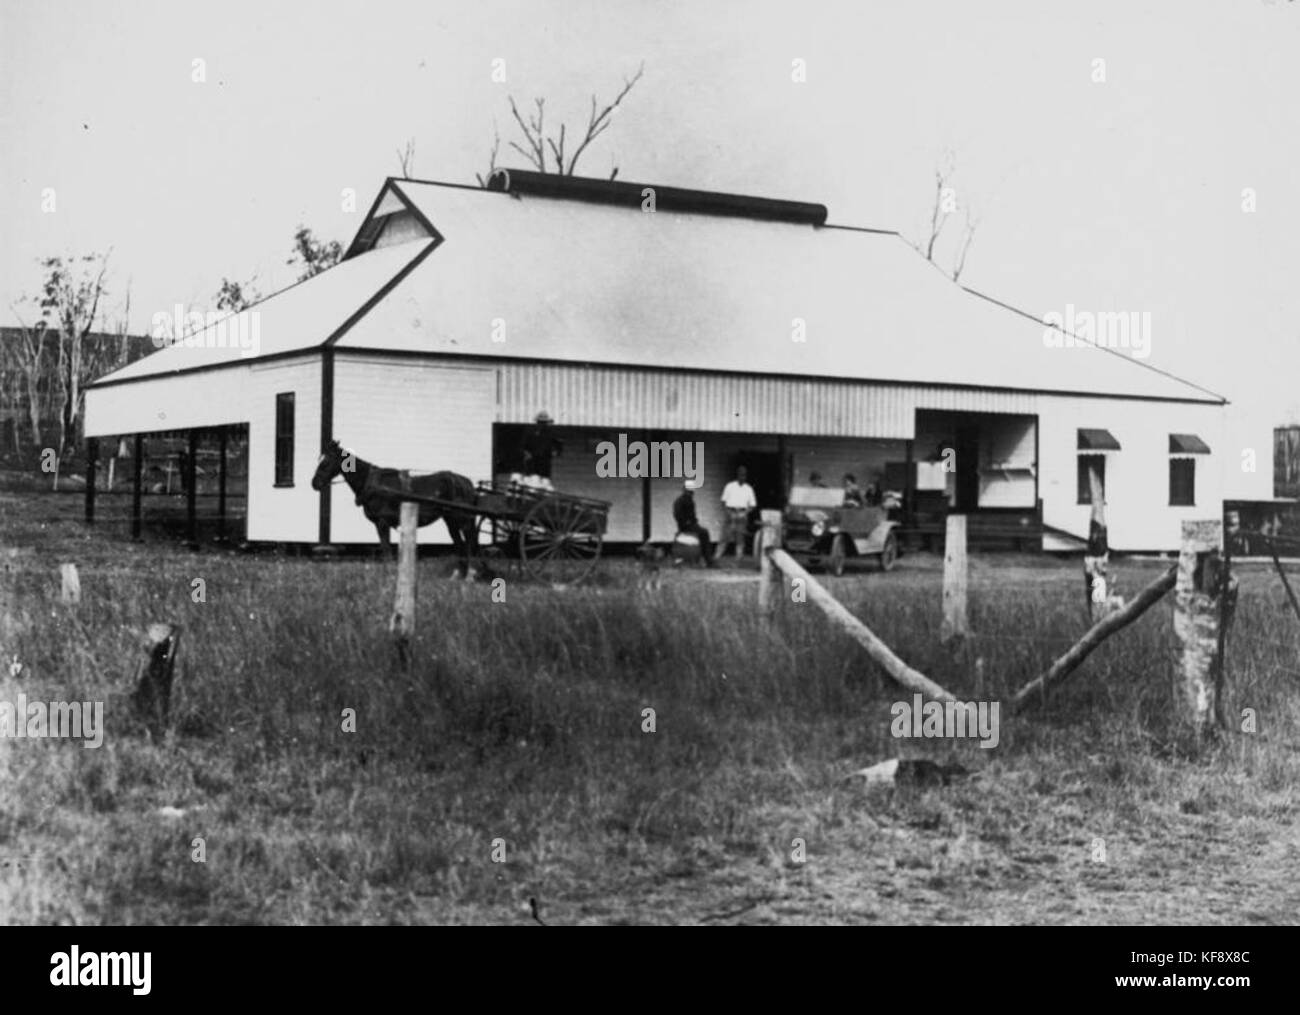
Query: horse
{"x": 370, "y": 484}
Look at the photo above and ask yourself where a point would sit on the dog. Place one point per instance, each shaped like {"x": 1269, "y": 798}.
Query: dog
{"x": 650, "y": 560}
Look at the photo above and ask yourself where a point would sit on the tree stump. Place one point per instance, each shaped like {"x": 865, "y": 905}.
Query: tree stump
{"x": 153, "y": 692}
{"x": 71, "y": 584}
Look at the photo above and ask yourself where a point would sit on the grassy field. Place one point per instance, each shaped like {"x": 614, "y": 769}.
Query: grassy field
{"x": 522, "y": 721}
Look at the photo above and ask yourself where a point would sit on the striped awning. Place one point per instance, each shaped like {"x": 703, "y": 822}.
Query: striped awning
{"x": 1187, "y": 444}
{"x": 1097, "y": 440}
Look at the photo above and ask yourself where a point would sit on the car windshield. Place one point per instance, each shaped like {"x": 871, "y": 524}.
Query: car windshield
{"x": 816, "y": 497}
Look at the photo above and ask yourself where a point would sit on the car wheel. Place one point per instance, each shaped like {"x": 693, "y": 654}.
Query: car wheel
{"x": 889, "y": 553}
{"x": 839, "y": 552}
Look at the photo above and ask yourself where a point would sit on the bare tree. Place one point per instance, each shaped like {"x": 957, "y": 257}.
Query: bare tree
{"x": 111, "y": 349}
{"x": 406, "y": 157}
{"x": 123, "y": 332}
{"x": 29, "y": 356}
{"x": 72, "y": 295}
{"x": 539, "y": 146}
{"x": 945, "y": 203}
{"x": 968, "y": 235}
{"x": 492, "y": 159}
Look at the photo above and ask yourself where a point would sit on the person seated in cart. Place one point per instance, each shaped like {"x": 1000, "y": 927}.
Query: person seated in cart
{"x": 688, "y": 523}
{"x": 536, "y": 450}
{"x": 853, "y": 495}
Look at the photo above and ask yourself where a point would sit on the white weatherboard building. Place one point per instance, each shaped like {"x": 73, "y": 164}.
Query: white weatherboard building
{"x": 777, "y": 340}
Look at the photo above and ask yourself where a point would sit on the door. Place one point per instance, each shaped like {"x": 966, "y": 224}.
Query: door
{"x": 765, "y": 476}
{"x": 967, "y": 439}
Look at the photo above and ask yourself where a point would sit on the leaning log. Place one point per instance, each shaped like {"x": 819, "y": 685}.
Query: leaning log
{"x": 880, "y": 653}
{"x": 1286, "y": 584}
{"x": 1099, "y": 632}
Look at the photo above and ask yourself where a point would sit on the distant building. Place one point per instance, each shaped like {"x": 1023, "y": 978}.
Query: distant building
{"x": 779, "y": 341}
{"x": 101, "y": 353}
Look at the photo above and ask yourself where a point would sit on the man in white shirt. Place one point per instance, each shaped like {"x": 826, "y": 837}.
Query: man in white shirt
{"x": 738, "y": 501}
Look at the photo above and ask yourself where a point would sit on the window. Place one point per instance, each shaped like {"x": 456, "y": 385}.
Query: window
{"x": 284, "y": 439}
{"x": 1182, "y": 468}
{"x": 1087, "y": 462}
{"x": 1182, "y": 482}
{"x": 1092, "y": 445}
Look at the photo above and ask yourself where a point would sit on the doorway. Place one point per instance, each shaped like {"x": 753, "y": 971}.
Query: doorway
{"x": 765, "y": 476}
{"x": 967, "y": 486}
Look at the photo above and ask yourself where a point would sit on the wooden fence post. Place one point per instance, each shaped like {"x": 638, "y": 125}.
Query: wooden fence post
{"x": 402, "y": 623}
{"x": 71, "y": 591}
{"x": 191, "y": 491}
{"x": 223, "y": 443}
{"x": 1199, "y": 613}
{"x": 92, "y": 460}
{"x": 770, "y": 584}
{"x": 955, "y": 623}
{"x": 136, "y": 483}
{"x": 1097, "y": 557}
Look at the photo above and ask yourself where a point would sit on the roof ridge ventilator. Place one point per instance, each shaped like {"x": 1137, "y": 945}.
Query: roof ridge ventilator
{"x": 631, "y": 195}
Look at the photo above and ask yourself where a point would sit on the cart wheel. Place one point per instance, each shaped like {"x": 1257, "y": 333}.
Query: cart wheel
{"x": 498, "y": 540}
{"x": 839, "y": 552}
{"x": 560, "y": 541}
{"x": 889, "y": 554}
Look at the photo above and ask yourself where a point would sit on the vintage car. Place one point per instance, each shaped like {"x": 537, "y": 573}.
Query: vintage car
{"x": 820, "y": 529}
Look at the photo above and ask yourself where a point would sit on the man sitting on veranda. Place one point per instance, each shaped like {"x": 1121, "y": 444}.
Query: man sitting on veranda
{"x": 688, "y": 522}
{"x": 538, "y": 446}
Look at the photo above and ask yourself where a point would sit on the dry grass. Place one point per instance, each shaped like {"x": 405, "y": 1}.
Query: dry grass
{"x": 522, "y": 721}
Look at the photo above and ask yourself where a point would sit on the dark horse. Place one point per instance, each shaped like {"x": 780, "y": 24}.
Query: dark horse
{"x": 370, "y": 483}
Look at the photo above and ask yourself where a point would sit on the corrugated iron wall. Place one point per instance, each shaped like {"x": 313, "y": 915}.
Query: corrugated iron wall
{"x": 608, "y": 396}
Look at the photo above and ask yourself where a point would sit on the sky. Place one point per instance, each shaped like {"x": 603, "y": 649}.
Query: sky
{"x": 1116, "y": 155}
